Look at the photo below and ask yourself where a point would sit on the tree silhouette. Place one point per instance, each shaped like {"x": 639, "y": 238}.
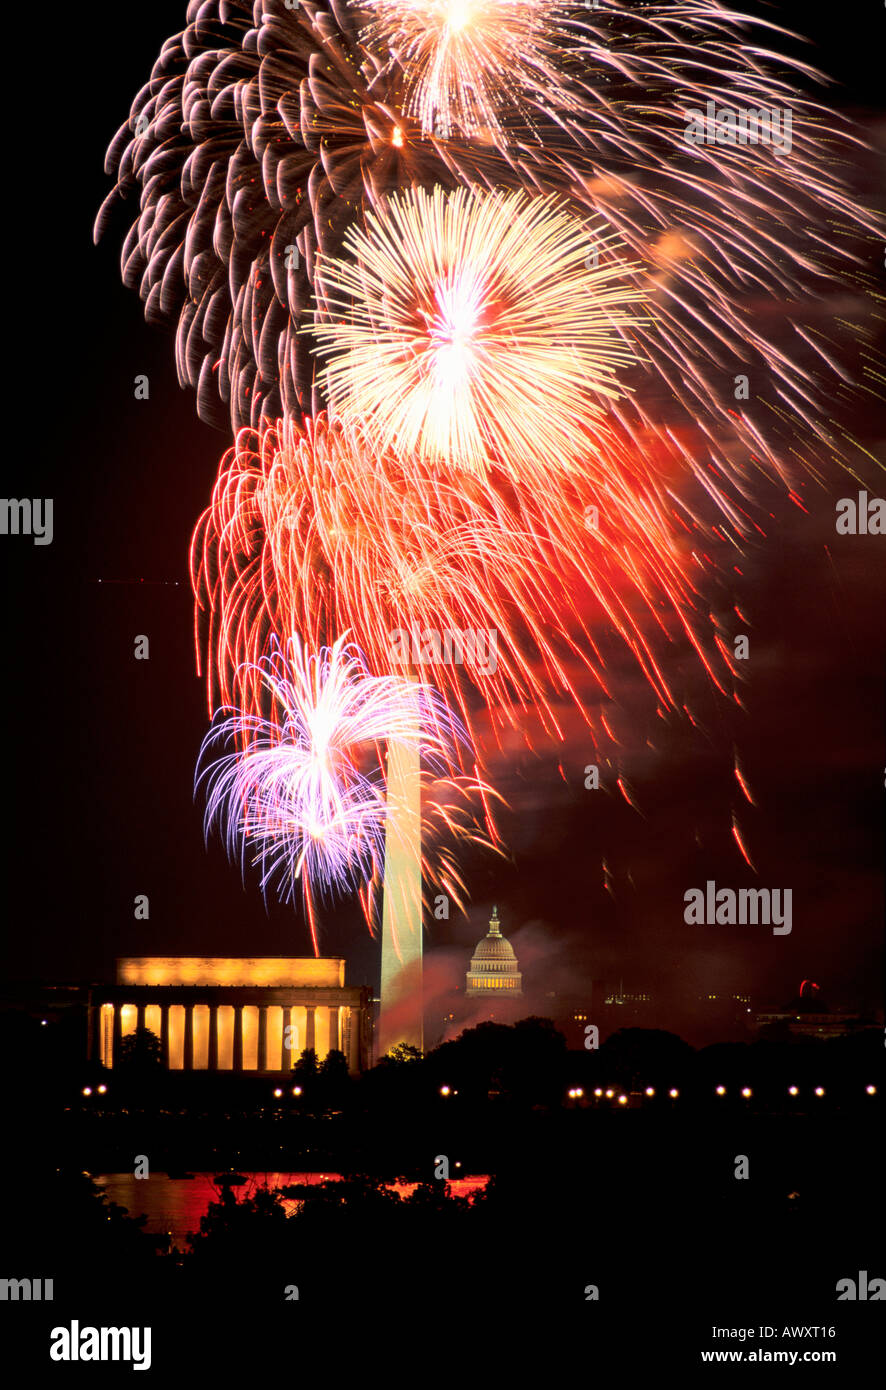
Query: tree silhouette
{"x": 141, "y": 1053}
{"x": 333, "y": 1078}
{"x": 634, "y": 1056}
{"x": 305, "y": 1070}
{"x": 402, "y": 1054}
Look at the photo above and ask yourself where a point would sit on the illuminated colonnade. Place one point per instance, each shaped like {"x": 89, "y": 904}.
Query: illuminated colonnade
{"x": 229, "y": 1014}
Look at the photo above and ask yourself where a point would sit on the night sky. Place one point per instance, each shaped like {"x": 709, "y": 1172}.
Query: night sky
{"x": 102, "y": 747}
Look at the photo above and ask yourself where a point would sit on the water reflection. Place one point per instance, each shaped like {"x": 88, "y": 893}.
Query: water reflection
{"x": 174, "y": 1206}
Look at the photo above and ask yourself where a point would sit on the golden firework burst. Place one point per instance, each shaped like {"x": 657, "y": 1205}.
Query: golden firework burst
{"x": 473, "y": 329}
{"x": 470, "y": 61}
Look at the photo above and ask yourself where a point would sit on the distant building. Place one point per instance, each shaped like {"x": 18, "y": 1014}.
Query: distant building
{"x": 494, "y": 973}
{"x": 625, "y": 998}
{"x": 216, "y": 1013}
{"x": 830, "y": 1025}
{"x": 607, "y": 1006}
{"x": 809, "y": 1016}
{"x": 626, "y": 1008}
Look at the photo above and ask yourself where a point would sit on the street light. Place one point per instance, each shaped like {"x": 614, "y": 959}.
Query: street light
{"x": 445, "y": 1091}
{"x": 721, "y": 1090}
{"x": 747, "y": 1092}
{"x": 650, "y": 1090}
{"x": 87, "y": 1090}
{"x": 673, "y": 1093}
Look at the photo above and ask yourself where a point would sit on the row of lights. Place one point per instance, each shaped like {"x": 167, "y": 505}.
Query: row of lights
{"x": 87, "y": 1091}
{"x": 623, "y": 1100}
{"x": 576, "y": 1093}
{"x": 794, "y": 1091}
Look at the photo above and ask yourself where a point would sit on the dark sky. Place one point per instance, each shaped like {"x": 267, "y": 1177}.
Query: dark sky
{"x": 101, "y": 747}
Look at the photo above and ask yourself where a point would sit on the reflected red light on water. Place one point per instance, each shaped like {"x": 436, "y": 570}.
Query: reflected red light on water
{"x": 174, "y": 1206}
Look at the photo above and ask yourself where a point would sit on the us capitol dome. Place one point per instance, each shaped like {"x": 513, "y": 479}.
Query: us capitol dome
{"x": 494, "y": 966}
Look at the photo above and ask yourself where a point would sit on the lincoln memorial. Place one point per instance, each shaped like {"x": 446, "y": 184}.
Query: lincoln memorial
{"x": 217, "y": 1013}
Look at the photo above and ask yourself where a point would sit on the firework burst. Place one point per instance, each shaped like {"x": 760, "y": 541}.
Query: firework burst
{"x": 469, "y": 328}
{"x": 311, "y": 530}
{"x": 467, "y": 60}
{"x": 262, "y": 133}
{"x": 301, "y": 791}
{"x": 265, "y": 131}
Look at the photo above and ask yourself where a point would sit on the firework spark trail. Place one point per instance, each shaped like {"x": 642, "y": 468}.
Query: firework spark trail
{"x": 294, "y": 793}
{"x": 310, "y": 530}
{"x": 465, "y": 328}
{"x": 739, "y": 840}
{"x": 742, "y": 782}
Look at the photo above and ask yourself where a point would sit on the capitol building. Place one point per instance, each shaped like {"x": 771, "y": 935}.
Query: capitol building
{"x": 493, "y": 972}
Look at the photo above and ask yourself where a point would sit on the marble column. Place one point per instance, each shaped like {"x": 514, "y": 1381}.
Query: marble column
{"x": 333, "y": 1028}
{"x": 261, "y": 1059}
{"x": 212, "y": 1059}
{"x": 237, "y": 1061}
{"x": 118, "y": 1035}
{"x": 309, "y": 1026}
{"x": 188, "y": 1059}
{"x": 140, "y": 1015}
{"x": 92, "y": 1014}
{"x": 285, "y": 1052}
{"x": 164, "y": 1034}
